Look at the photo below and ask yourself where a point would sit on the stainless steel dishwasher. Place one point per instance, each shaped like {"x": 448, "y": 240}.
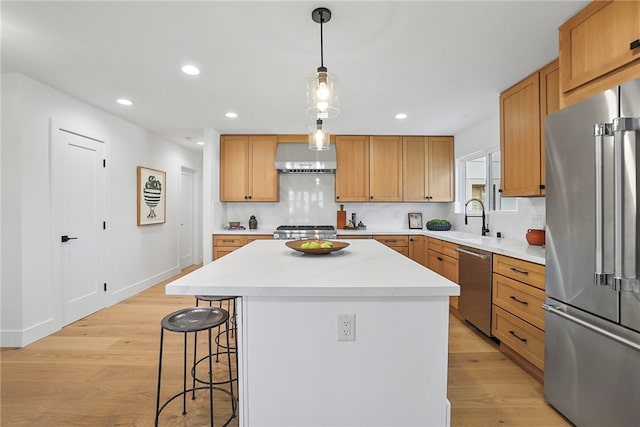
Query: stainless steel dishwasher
{"x": 474, "y": 276}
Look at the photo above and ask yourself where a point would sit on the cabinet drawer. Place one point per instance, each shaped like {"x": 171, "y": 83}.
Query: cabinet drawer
{"x": 353, "y": 236}
{"x": 393, "y": 241}
{"x": 523, "y": 271}
{"x": 401, "y": 249}
{"x": 449, "y": 249}
{"x": 219, "y": 252}
{"x": 436, "y": 245}
{"x": 520, "y": 336}
{"x": 226, "y": 240}
{"x": 519, "y": 299}
{"x": 252, "y": 237}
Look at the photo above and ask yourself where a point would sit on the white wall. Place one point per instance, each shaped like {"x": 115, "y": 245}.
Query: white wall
{"x": 514, "y": 224}
{"x": 136, "y": 257}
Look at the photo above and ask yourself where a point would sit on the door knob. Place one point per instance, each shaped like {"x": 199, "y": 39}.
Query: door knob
{"x": 66, "y": 238}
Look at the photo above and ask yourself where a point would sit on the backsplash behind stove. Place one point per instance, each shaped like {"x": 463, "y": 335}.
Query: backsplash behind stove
{"x": 309, "y": 199}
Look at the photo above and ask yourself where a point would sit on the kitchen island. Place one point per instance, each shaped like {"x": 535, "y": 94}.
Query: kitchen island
{"x": 293, "y": 369}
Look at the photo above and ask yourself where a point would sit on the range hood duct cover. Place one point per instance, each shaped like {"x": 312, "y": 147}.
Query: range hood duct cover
{"x": 297, "y": 158}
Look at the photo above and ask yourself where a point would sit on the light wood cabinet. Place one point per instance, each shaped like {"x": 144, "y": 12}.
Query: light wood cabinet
{"x": 352, "y": 174}
{"x": 442, "y": 257}
{"x": 517, "y": 314}
{"x": 224, "y": 244}
{"x": 385, "y": 168}
{"x": 599, "y": 40}
{"x": 418, "y": 247}
{"x": 427, "y": 169}
{"x": 398, "y": 243}
{"x": 247, "y": 172}
{"x": 394, "y": 169}
{"x": 522, "y": 111}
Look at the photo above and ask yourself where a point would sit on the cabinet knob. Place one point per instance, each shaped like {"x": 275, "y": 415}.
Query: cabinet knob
{"x": 542, "y": 187}
{"x": 371, "y": 197}
{"x": 499, "y": 190}
{"x": 337, "y": 197}
{"x": 634, "y": 44}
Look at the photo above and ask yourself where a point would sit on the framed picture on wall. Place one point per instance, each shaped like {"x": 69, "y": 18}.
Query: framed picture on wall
{"x": 415, "y": 220}
{"x": 152, "y": 192}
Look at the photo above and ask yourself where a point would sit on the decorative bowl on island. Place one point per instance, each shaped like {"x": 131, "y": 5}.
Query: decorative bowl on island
{"x": 297, "y": 245}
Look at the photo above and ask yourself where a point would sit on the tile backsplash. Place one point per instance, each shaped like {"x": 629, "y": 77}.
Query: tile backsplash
{"x": 309, "y": 199}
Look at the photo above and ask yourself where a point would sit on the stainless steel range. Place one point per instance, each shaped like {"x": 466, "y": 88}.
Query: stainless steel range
{"x": 301, "y": 232}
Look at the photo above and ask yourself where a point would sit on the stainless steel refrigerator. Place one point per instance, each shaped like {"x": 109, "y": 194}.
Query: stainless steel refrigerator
{"x": 592, "y": 338}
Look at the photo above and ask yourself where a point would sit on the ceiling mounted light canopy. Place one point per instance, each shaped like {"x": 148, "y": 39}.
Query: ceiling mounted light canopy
{"x": 319, "y": 137}
{"x": 322, "y": 99}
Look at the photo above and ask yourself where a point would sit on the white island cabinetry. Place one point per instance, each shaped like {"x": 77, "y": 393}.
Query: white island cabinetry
{"x": 293, "y": 369}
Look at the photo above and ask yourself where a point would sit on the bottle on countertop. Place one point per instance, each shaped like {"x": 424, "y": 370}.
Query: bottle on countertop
{"x": 341, "y": 218}
{"x": 253, "y": 222}
{"x": 354, "y": 218}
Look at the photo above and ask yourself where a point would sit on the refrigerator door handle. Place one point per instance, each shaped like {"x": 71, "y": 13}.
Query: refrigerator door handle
{"x": 559, "y": 312}
{"x": 603, "y": 272}
{"x": 625, "y": 274}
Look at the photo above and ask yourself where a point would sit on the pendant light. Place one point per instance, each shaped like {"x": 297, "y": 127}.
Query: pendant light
{"x": 319, "y": 137}
{"x": 322, "y": 100}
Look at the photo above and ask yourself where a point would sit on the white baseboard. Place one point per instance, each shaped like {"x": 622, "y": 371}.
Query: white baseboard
{"x": 22, "y": 338}
{"x": 136, "y": 288}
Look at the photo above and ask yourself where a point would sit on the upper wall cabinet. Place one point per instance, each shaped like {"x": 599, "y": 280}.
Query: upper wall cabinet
{"x": 247, "y": 171}
{"x": 427, "y": 169}
{"x": 522, "y": 111}
{"x": 385, "y": 168}
{"x": 369, "y": 168}
{"x": 352, "y": 174}
{"x": 599, "y": 48}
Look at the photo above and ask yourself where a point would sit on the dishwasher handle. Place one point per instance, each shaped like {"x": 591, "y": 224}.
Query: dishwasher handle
{"x": 464, "y": 251}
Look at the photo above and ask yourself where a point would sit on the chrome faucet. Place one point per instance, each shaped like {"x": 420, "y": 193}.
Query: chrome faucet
{"x": 485, "y": 229}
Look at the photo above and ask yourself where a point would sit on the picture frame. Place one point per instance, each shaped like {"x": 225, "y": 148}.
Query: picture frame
{"x": 415, "y": 220}
{"x": 152, "y": 196}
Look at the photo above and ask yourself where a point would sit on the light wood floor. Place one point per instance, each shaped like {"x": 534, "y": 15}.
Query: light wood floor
{"x": 102, "y": 371}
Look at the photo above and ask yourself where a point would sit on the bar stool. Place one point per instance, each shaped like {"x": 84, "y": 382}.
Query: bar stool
{"x": 231, "y": 301}
{"x": 193, "y": 320}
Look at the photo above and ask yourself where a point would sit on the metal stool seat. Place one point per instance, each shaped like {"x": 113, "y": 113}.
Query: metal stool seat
{"x": 193, "y": 320}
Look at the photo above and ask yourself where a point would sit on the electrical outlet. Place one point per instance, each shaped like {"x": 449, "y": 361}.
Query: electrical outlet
{"x": 347, "y": 327}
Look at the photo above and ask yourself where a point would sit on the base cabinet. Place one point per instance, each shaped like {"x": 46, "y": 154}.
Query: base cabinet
{"x": 442, "y": 257}
{"x": 397, "y": 243}
{"x": 517, "y": 315}
{"x": 224, "y": 244}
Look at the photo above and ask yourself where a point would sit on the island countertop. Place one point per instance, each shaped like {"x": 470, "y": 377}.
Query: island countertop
{"x": 366, "y": 268}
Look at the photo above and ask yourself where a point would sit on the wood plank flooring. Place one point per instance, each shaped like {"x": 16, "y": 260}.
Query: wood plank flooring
{"x": 102, "y": 371}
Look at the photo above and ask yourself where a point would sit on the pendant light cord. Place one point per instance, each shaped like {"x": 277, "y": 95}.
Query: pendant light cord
{"x": 321, "y": 41}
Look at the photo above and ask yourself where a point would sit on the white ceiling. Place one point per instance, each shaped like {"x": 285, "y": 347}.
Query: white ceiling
{"x": 443, "y": 63}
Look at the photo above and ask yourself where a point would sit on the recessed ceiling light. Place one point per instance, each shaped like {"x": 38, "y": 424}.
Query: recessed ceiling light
{"x": 124, "y": 101}
{"x": 231, "y": 115}
{"x": 192, "y": 70}
{"x": 200, "y": 143}
{"x": 401, "y": 116}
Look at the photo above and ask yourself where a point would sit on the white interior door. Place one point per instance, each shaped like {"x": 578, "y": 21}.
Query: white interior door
{"x": 78, "y": 164}
{"x": 186, "y": 218}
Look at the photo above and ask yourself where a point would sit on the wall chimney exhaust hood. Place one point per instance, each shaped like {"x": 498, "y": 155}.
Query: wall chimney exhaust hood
{"x": 297, "y": 158}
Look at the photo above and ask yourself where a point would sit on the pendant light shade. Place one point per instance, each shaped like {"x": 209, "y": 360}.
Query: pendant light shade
{"x": 322, "y": 97}
{"x": 319, "y": 137}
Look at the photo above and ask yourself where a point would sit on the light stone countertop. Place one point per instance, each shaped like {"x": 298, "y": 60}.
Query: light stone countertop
{"x": 508, "y": 247}
{"x": 366, "y": 268}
